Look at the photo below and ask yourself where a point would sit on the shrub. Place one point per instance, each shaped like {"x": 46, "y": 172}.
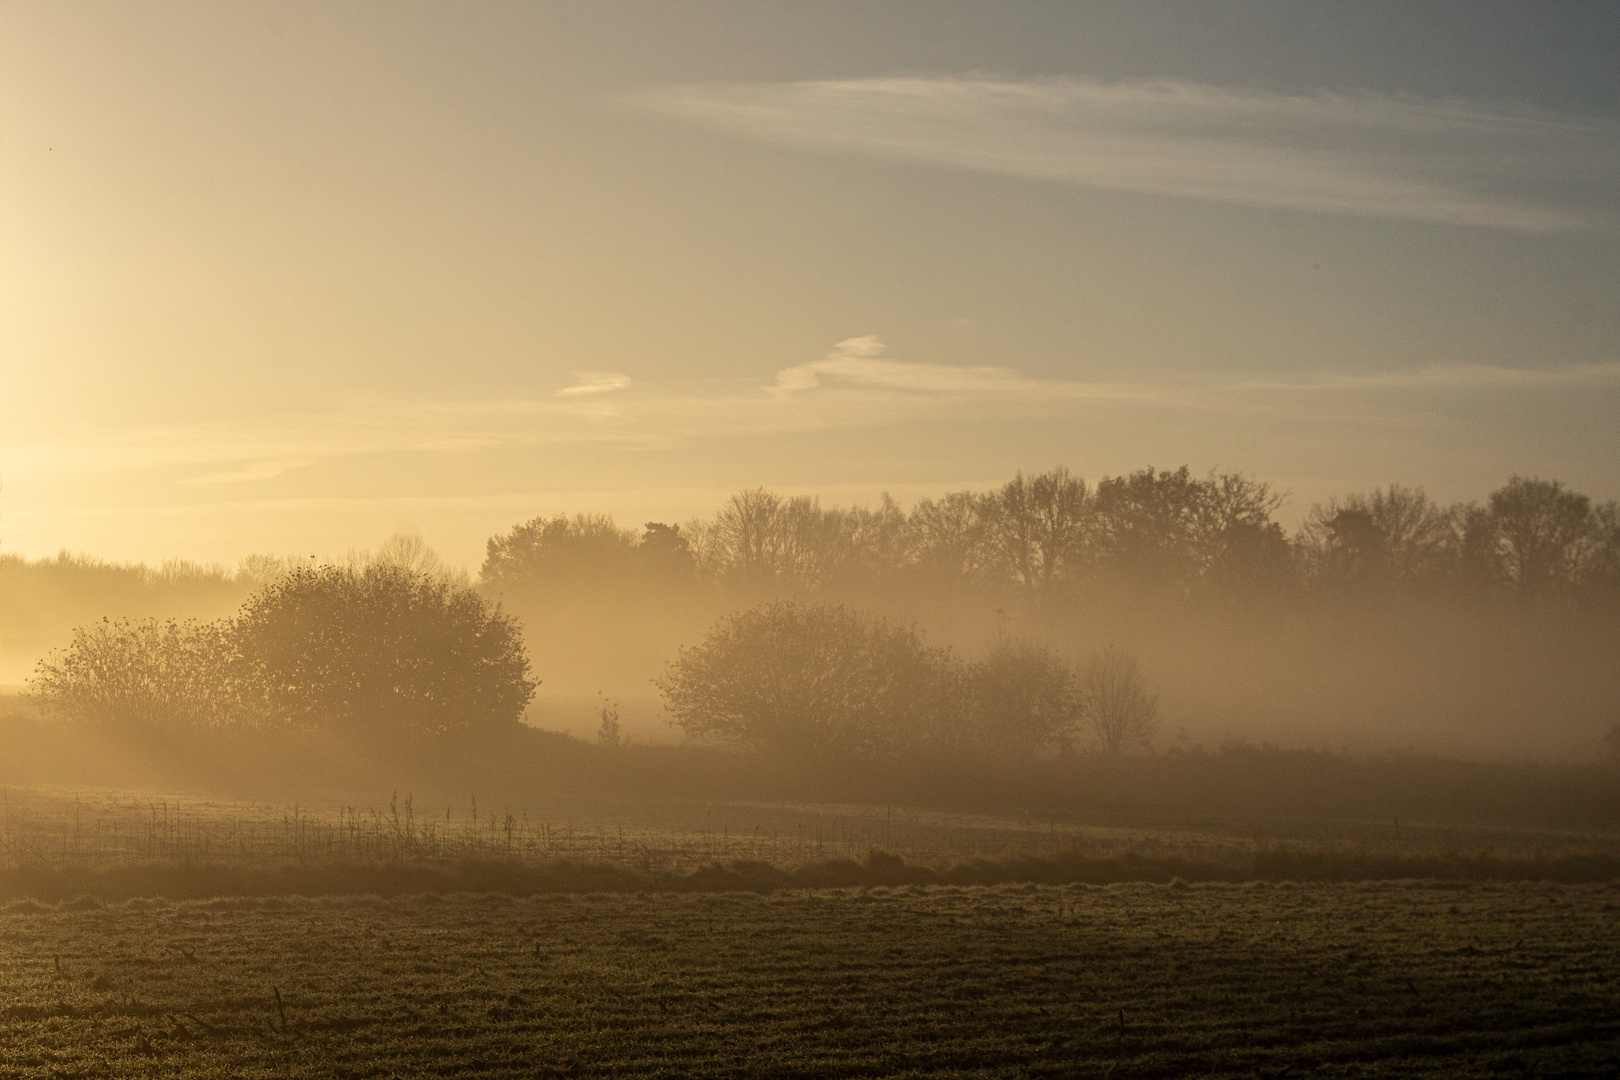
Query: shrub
{"x": 380, "y": 649}
{"x": 369, "y": 650}
{"x": 143, "y": 675}
{"x": 1022, "y": 700}
{"x": 820, "y": 680}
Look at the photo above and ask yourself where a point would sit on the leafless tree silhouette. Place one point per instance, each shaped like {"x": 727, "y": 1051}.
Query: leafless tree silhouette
{"x": 1118, "y": 706}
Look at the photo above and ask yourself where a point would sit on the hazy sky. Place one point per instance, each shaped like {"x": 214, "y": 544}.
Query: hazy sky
{"x": 286, "y": 277}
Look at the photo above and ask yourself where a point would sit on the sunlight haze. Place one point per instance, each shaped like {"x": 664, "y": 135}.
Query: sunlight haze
{"x": 809, "y": 538}
{"x": 289, "y": 277}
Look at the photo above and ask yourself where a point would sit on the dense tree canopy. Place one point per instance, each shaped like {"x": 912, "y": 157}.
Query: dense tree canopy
{"x": 1041, "y": 537}
{"x": 395, "y": 644}
{"x": 583, "y": 550}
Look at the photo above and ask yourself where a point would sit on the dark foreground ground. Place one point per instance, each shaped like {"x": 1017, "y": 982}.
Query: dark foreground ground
{"x": 1395, "y": 979}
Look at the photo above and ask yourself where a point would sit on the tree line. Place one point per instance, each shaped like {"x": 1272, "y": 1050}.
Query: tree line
{"x": 1042, "y": 536}
{"x": 396, "y": 643}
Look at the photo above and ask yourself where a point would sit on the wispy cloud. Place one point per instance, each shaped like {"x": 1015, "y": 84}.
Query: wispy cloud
{"x": 1387, "y": 157}
{"x": 1455, "y": 377}
{"x": 263, "y": 470}
{"x": 859, "y": 362}
{"x": 855, "y": 385}
{"x": 588, "y": 383}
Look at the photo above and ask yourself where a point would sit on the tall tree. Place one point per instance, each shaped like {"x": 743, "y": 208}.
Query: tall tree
{"x": 952, "y": 538}
{"x": 743, "y": 541}
{"x": 1153, "y": 525}
{"x": 1545, "y": 532}
{"x": 560, "y": 553}
{"x": 1600, "y": 578}
{"x": 665, "y": 555}
{"x": 1174, "y": 531}
{"x": 1393, "y": 537}
{"x": 1116, "y": 701}
{"x": 1041, "y": 525}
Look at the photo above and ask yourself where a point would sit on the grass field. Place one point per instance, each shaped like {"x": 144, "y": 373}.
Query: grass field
{"x": 103, "y": 828}
{"x": 576, "y": 937}
{"x": 91, "y": 827}
{"x": 1394, "y": 979}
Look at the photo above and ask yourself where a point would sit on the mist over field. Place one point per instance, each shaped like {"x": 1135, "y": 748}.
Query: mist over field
{"x": 803, "y": 539}
{"x": 1384, "y": 623}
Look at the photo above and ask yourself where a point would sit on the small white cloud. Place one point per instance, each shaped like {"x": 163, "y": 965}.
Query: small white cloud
{"x": 870, "y": 345}
{"x": 595, "y": 382}
{"x": 263, "y": 470}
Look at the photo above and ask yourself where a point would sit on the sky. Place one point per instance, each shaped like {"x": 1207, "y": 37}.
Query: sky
{"x": 288, "y": 278}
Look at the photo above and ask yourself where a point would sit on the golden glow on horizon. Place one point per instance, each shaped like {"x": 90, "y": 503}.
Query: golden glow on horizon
{"x": 289, "y": 278}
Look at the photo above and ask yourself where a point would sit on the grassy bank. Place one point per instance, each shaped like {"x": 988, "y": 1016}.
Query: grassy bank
{"x": 520, "y": 764}
{"x": 75, "y": 885}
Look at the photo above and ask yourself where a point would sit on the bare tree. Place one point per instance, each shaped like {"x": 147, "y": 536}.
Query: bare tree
{"x": 1041, "y": 524}
{"x": 1546, "y": 532}
{"x": 951, "y": 538}
{"x": 1121, "y": 711}
{"x": 812, "y": 544}
{"x": 766, "y": 542}
{"x": 743, "y": 540}
{"x": 608, "y": 734}
{"x": 879, "y": 546}
{"x": 1601, "y": 575}
{"x": 408, "y": 551}
{"x": 1394, "y": 536}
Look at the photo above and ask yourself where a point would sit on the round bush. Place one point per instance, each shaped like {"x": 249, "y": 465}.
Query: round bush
{"x": 379, "y": 649}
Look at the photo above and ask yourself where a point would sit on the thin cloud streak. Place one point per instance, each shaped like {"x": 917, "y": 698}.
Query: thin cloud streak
{"x": 595, "y": 382}
{"x": 1396, "y": 158}
{"x": 859, "y": 362}
{"x": 263, "y": 470}
{"x": 853, "y": 386}
{"x": 1460, "y": 377}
